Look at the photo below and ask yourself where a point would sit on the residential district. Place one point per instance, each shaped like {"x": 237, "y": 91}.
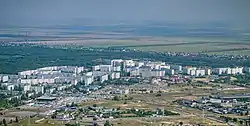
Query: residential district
{"x": 73, "y": 95}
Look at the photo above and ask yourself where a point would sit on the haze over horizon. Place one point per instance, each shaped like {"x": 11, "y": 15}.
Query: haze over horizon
{"x": 64, "y": 12}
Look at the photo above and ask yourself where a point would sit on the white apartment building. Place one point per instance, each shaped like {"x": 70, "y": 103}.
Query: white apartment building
{"x": 208, "y": 71}
{"x": 116, "y": 62}
{"x": 134, "y": 72}
{"x": 129, "y": 63}
{"x": 221, "y": 71}
{"x": 200, "y": 72}
{"x": 169, "y": 71}
{"x": 96, "y": 68}
{"x": 27, "y": 73}
{"x": 105, "y": 68}
{"x": 145, "y": 71}
{"x": 104, "y": 78}
{"x": 38, "y": 89}
{"x": 139, "y": 64}
{"x": 5, "y": 78}
{"x": 164, "y": 67}
{"x": 237, "y": 70}
{"x": 189, "y": 70}
{"x": 115, "y": 75}
{"x": 116, "y": 68}
{"x": 27, "y": 88}
{"x": 157, "y": 73}
{"x": 38, "y": 81}
{"x": 88, "y": 80}
{"x": 60, "y": 88}
{"x": 177, "y": 68}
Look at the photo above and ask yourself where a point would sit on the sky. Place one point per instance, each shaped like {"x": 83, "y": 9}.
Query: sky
{"x": 53, "y": 12}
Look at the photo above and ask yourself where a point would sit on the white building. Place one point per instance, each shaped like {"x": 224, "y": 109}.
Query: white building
{"x": 139, "y": 64}
{"x": 134, "y": 72}
{"x": 105, "y": 68}
{"x": 129, "y": 63}
{"x": 237, "y": 70}
{"x": 27, "y": 73}
{"x": 192, "y": 72}
{"x": 177, "y": 68}
{"x": 88, "y": 79}
{"x": 157, "y": 73}
{"x": 208, "y": 71}
{"x": 80, "y": 69}
{"x": 189, "y": 70}
{"x": 164, "y": 67}
{"x": 10, "y": 87}
{"x": 115, "y": 75}
{"x": 104, "y": 78}
{"x": 96, "y": 68}
{"x": 145, "y": 71}
{"x": 116, "y": 62}
{"x": 200, "y": 72}
{"x": 220, "y": 71}
{"x": 5, "y": 78}
{"x": 227, "y": 71}
{"x": 60, "y": 88}
{"x": 169, "y": 71}
{"x": 27, "y": 88}
{"x": 38, "y": 89}
{"x": 116, "y": 68}
{"x": 38, "y": 81}
{"x": 121, "y": 91}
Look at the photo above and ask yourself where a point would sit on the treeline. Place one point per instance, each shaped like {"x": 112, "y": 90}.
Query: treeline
{"x": 15, "y": 58}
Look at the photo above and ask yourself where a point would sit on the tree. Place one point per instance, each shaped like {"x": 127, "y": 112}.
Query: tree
{"x": 17, "y": 120}
{"x": 125, "y": 102}
{"x": 94, "y": 105}
{"x": 157, "y": 95}
{"x": 181, "y": 123}
{"x": 4, "y": 122}
{"x": 116, "y": 98}
{"x": 241, "y": 122}
{"x": 107, "y": 123}
{"x": 235, "y": 119}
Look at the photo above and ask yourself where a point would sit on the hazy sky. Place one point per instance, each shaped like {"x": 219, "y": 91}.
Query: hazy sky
{"x": 50, "y": 12}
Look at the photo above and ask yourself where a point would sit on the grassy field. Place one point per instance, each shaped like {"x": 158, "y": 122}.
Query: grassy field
{"x": 164, "y": 44}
